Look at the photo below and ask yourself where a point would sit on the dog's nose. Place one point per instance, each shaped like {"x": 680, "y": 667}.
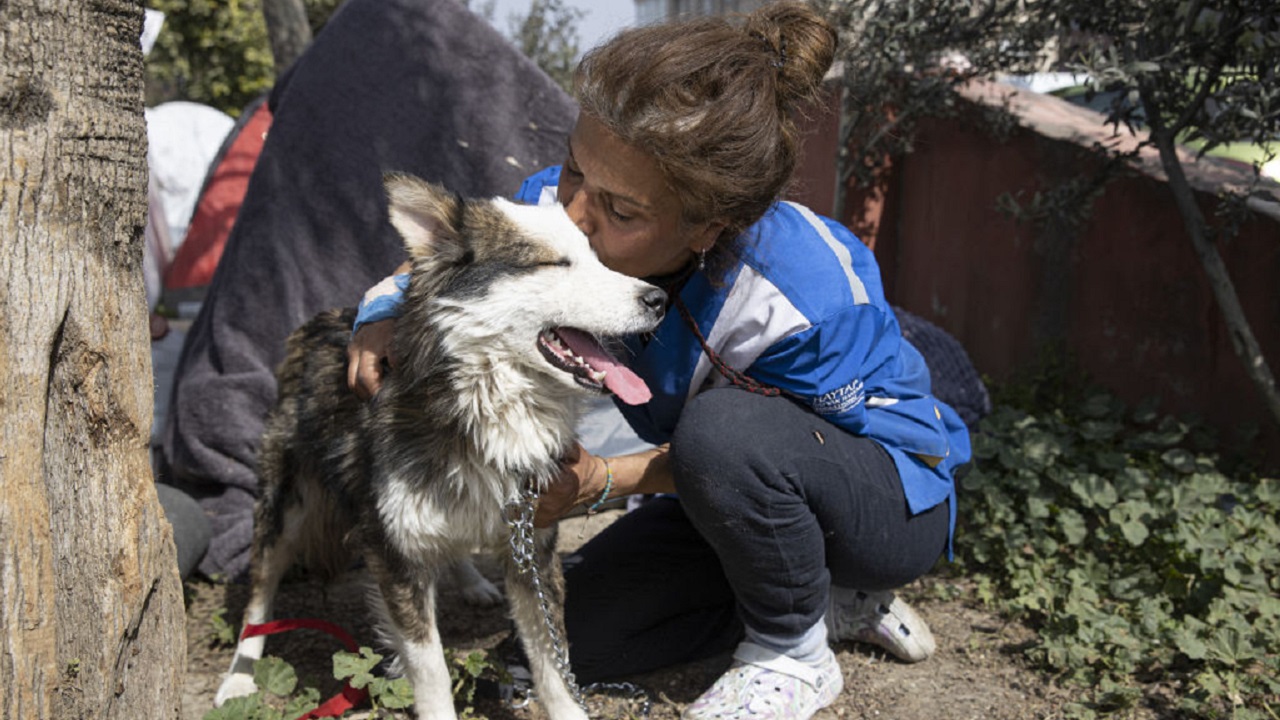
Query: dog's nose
{"x": 655, "y": 299}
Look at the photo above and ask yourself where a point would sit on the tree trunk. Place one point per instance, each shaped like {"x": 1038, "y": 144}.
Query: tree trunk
{"x": 91, "y": 609}
{"x": 1243, "y": 340}
{"x": 289, "y": 30}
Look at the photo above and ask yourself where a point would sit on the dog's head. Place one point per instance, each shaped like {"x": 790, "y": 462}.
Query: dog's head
{"x": 517, "y": 286}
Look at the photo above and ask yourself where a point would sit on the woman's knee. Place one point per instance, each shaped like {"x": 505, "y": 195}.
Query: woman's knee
{"x": 714, "y": 440}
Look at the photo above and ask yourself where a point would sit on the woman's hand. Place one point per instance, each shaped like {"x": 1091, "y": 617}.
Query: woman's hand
{"x": 370, "y": 346}
{"x": 581, "y": 479}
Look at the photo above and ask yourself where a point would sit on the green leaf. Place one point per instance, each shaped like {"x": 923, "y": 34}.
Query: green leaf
{"x": 1037, "y": 508}
{"x": 1191, "y": 645}
{"x": 1267, "y": 491}
{"x": 1097, "y": 406}
{"x": 475, "y": 663}
{"x": 1094, "y": 491}
{"x": 1180, "y": 460}
{"x": 1129, "y": 516}
{"x": 1228, "y": 647}
{"x": 355, "y": 669}
{"x": 1098, "y": 430}
{"x": 1146, "y": 411}
{"x": 302, "y": 703}
{"x": 1143, "y": 67}
{"x": 223, "y": 634}
{"x": 1073, "y": 526}
{"x": 1110, "y": 461}
{"x": 275, "y": 676}
{"x": 249, "y": 707}
{"x": 394, "y": 694}
{"x": 985, "y": 447}
{"x": 1168, "y": 433}
{"x": 1134, "y": 532}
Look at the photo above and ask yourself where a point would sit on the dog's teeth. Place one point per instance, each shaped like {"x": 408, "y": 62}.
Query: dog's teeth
{"x": 597, "y": 375}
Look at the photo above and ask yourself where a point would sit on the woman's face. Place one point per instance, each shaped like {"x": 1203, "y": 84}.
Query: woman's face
{"x": 617, "y": 195}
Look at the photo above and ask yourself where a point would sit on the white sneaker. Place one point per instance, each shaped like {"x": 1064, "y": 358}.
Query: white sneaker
{"x": 882, "y": 619}
{"x": 763, "y": 685}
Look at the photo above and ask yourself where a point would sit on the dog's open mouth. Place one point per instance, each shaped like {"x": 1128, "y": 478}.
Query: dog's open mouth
{"x": 581, "y": 355}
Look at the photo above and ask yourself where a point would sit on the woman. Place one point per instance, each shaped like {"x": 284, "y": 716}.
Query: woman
{"x": 790, "y": 419}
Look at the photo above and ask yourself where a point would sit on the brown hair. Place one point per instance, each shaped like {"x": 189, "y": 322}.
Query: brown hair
{"x": 712, "y": 101}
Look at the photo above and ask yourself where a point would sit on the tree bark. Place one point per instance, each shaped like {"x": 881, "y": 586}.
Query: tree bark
{"x": 289, "y": 30}
{"x": 1243, "y": 341}
{"x": 91, "y": 610}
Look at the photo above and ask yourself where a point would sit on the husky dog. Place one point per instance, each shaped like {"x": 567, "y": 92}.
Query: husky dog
{"x": 496, "y": 347}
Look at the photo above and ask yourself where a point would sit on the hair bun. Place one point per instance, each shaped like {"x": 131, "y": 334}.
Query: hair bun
{"x": 802, "y": 45}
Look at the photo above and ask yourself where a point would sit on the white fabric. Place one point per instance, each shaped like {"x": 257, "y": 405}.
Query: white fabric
{"x": 762, "y": 316}
{"x": 753, "y": 654}
{"x": 603, "y": 430}
{"x": 152, "y": 21}
{"x": 182, "y": 140}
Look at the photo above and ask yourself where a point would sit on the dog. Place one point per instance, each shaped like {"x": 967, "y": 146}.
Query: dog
{"x": 496, "y": 349}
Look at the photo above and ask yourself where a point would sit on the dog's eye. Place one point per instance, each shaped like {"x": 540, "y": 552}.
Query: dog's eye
{"x": 561, "y": 262}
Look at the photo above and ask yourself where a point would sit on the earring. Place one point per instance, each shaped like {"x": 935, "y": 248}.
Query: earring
{"x": 702, "y": 260}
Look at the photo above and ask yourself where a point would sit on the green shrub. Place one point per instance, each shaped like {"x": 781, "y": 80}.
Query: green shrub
{"x": 217, "y": 52}
{"x": 211, "y": 52}
{"x": 1120, "y": 538}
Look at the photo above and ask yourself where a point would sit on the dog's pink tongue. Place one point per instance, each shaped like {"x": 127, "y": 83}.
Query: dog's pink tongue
{"x": 628, "y": 386}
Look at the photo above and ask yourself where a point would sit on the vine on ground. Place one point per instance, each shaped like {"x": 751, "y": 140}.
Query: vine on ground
{"x": 1139, "y": 560}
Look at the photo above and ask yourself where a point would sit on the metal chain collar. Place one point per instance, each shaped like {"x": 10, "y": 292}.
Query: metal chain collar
{"x": 519, "y": 515}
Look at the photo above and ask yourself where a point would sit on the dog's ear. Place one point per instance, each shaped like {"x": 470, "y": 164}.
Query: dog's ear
{"x": 426, "y": 215}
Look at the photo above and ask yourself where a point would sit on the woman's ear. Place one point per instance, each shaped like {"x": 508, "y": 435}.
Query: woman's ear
{"x": 705, "y": 237}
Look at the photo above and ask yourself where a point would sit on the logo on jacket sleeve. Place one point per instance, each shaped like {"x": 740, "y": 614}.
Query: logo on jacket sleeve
{"x": 840, "y": 400}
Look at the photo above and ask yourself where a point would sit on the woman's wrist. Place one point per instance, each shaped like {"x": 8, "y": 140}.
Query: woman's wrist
{"x": 382, "y": 301}
{"x": 607, "y": 490}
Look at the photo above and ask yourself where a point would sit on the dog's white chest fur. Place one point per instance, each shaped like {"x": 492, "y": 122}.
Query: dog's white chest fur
{"x": 462, "y": 510}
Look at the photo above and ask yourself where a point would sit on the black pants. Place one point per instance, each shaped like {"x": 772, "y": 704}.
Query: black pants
{"x": 776, "y": 504}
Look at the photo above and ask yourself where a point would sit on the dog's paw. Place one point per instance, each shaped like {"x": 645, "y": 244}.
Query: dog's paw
{"x": 481, "y": 593}
{"x": 234, "y": 686}
{"x": 474, "y": 587}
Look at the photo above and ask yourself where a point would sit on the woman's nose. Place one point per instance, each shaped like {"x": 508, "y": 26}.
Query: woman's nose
{"x": 578, "y": 211}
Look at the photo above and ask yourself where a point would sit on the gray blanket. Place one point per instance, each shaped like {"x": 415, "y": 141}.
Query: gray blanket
{"x": 419, "y": 86}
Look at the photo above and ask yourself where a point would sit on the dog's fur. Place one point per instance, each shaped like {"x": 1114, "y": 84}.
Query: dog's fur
{"x": 417, "y": 479}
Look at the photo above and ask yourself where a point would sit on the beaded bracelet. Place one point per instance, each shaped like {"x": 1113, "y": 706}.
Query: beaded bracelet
{"x": 608, "y": 486}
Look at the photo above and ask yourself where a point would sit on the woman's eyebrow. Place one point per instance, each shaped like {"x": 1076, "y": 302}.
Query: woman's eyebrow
{"x": 641, "y": 205}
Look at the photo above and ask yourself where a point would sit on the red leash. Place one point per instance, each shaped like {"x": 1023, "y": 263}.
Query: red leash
{"x": 338, "y": 704}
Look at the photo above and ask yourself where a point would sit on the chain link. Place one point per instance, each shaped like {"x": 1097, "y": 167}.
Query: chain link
{"x": 628, "y": 691}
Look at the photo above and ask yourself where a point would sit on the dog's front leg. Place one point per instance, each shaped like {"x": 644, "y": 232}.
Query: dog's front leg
{"x": 409, "y": 600}
{"x": 531, "y": 620}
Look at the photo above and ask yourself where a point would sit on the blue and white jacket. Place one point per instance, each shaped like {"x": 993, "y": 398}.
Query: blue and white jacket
{"x": 803, "y": 311}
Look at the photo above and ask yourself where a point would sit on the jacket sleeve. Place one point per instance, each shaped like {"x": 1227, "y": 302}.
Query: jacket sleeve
{"x": 530, "y": 192}
{"x": 829, "y": 365}
{"x": 855, "y": 369}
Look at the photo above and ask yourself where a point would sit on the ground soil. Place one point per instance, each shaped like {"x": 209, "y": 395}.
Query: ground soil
{"x": 978, "y": 672}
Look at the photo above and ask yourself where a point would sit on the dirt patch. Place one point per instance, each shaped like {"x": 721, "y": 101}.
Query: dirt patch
{"x": 978, "y": 672}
